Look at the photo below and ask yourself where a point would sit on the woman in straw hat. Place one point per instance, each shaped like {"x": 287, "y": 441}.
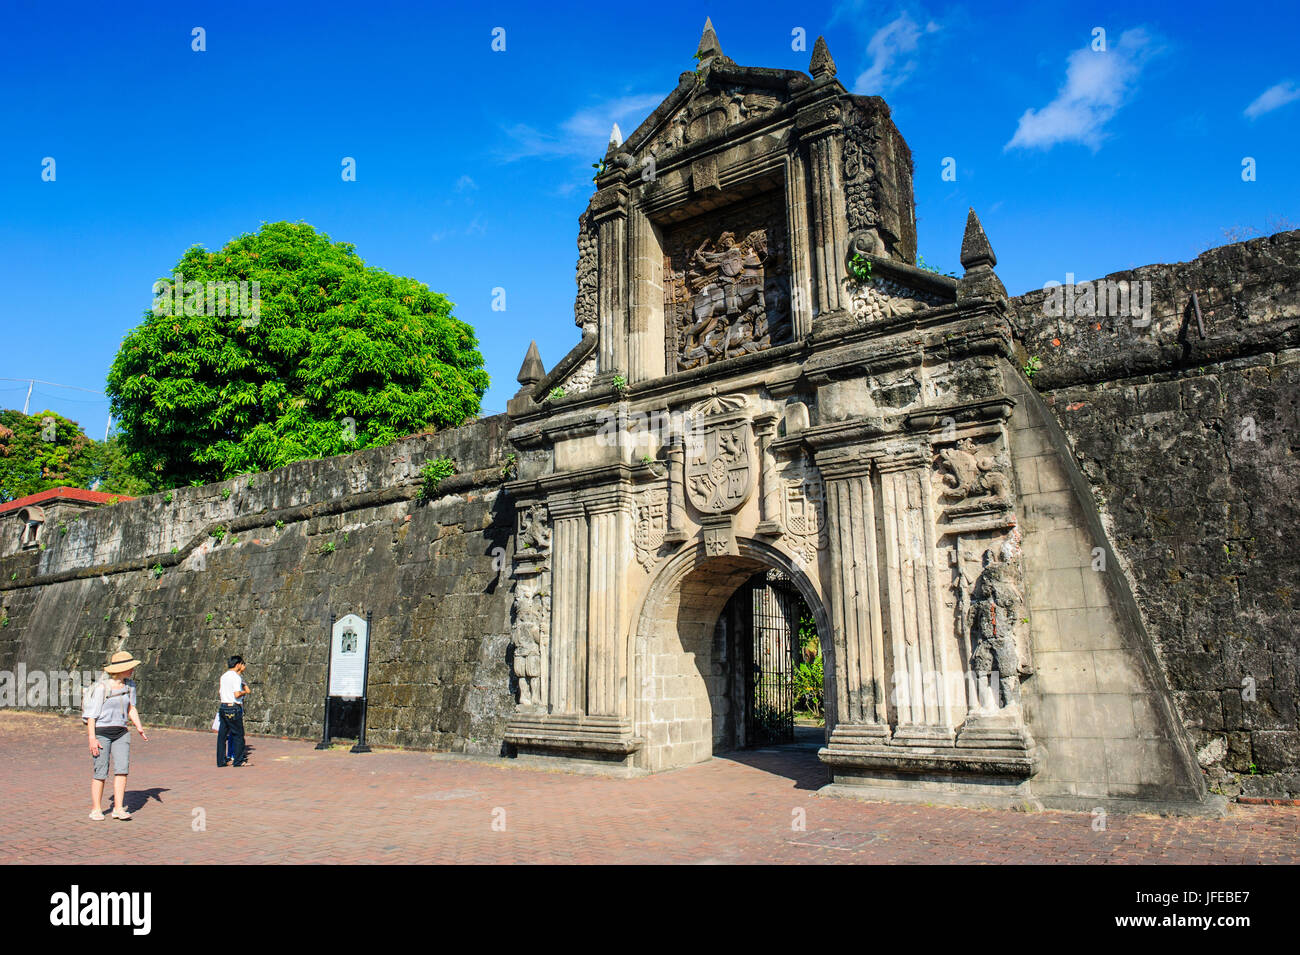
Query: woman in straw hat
{"x": 110, "y": 703}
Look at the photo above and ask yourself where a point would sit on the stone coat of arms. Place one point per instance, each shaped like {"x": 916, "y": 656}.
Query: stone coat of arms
{"x": 805, "y": 522}
{"x": 651, "y": 523}
{"x": 720, "y": 465}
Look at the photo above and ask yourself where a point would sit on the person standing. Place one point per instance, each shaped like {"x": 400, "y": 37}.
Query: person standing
{"x": 109, "y": 704}
{"x": 231, "y": 692}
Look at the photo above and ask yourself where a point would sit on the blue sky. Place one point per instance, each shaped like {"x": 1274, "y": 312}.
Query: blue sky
{"x": 473, "y": 165}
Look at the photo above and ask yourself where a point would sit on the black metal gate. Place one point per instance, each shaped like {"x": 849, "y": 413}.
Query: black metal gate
{"x": 776, "y": 606}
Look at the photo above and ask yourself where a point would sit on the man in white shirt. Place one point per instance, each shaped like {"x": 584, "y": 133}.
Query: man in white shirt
{"x": 231, "y": 692}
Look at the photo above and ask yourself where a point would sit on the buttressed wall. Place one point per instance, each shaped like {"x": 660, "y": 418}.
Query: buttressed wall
{"x": 1042, "y": 591}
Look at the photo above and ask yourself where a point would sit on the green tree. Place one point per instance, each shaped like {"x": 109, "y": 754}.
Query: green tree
{"x": 46, "y": 450}
{"x": 340, "y": 357}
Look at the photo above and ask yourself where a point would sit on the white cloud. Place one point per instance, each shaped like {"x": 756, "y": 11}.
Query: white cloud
{"x": 595, "y": 122}
{"x": 1273, "y": 98}
{"x": 1096, "y": 85}
{"x": 890, "y": 49}
{"x": 466, "y": 183}
{"x": 585, "y": 134}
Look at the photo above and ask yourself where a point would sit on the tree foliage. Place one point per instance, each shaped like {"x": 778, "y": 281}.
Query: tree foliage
{"x": 36, "y": 456}
{"x": 341, "y": 357}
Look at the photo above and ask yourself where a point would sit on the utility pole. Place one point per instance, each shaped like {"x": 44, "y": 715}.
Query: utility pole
{"x": 28, "y": 400}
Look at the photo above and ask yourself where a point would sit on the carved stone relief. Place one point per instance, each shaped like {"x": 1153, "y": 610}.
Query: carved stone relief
{"x": 532, "y": 614}
{"x": 973, "y": 475}
{"x": 805, "y": 516}
{"x": 726, "y": 284}
{"x": 532, "y": 606}
{"x": 581, "y": 378}
{"x": 876, "y": 299}
{"x": 859, "y": 169}
{"x": 710, "y": 111}
{"x": 995, "y": 614}
{"x": 584, "y": 309}
{"x": 650, "y": 525}
{"x": 533, "y": 539}
{"x": 720, "y": 462}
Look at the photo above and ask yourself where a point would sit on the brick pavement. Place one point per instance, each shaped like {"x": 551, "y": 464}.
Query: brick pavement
{"x": 296, "y": 805}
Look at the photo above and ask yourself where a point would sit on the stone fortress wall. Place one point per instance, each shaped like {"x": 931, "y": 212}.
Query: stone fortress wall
{"x": 1186, "y": 432}
{"x": 254, "y": 565}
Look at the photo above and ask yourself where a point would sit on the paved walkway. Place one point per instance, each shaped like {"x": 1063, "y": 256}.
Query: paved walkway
{"x": 296, "y": 805}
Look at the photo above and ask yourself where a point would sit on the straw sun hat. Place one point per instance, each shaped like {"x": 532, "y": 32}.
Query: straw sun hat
{"x": 121, "y": 662}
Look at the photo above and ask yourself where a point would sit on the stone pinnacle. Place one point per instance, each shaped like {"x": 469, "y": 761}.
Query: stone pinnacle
{"x": 709, "y": 46}
{"x": 975, "y": 248}
{"x": 821, "y": 64}
{"x": 532, "y": 370}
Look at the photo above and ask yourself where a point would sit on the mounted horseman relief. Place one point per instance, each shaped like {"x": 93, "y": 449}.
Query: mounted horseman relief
{"x": 727, "y": 291}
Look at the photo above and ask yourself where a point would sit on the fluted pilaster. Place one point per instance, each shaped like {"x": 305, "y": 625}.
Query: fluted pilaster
{"x": 796, "y": 204}
{"x": 568, "y": 656}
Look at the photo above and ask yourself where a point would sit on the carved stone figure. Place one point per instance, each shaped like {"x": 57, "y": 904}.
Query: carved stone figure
{"x": 964, "y": 472}
{"x": 995, "y": 607}
{"x": 532, "y": 610}
{"x": 726, "y": 296}
{"x": 534, "y": 537}
{"x": 728, "y": 281}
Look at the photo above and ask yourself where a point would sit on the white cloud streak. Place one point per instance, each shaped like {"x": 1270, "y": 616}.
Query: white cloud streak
{"x": 1275, "y": 97}
{"x": 891, "y": 49}
{"x": 1096, "y": 85}
{"x": 585, "y": 134}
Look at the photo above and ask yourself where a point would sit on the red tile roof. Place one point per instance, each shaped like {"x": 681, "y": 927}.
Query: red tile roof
{"x": 63, "y": 494}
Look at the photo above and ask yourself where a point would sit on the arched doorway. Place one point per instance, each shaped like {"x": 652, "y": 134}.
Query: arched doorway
{"x": 777, "y": 662}
{"x": 693, "y": 658}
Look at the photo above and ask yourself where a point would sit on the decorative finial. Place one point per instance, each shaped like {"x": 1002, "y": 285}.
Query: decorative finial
{"x": 709, "y": 46}
{"x": 821, "y": 64}
{"x": 616, "y": 136}
{"x": 975, "y": 248}
{"x": 532, "y": 370}
{"x": 977, "y": 258}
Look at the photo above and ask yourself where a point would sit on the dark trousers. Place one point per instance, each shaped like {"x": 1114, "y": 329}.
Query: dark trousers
{"x": 230, "y": 740}
{"x": 232, "y": 728}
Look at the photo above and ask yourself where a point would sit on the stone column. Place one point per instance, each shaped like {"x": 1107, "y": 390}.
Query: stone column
{"x": 769, "y": 512}
{"x": 610, "y": 214}
{"x": 829, "y": 227}
{"x": 921, "y": 677}
{"x": 569, "y": 542}
{"x": 676, "y": 446}
{"x": 646, "y": 356}
{"x": 861, "y": 693}
{"x": 606, "y": 656}
{"x": 796, "y": 205}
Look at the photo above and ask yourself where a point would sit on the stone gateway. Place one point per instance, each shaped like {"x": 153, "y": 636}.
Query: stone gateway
{"x": 836, "y": 415}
